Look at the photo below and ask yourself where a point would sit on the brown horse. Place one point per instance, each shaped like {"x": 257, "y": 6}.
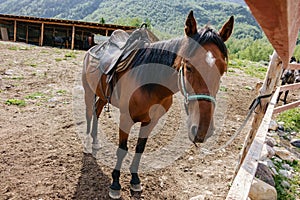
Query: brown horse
{"x": 143, "y": 92}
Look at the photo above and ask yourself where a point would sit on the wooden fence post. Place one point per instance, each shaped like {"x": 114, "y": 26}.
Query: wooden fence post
{"x": 271, "y": 80}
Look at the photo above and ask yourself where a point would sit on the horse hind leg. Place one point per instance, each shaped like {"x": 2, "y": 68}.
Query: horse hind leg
{"x": 96, "y": 113}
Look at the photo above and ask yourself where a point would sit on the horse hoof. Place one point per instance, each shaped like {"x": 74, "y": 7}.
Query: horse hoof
{"x": 136, "y": 187}
{"x": 114, "y": 194}
{"x": 96, "y": 146}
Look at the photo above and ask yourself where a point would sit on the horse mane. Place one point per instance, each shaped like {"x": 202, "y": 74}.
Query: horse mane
{"x": 207, "y": 35}
{"x": 165, "y": 52}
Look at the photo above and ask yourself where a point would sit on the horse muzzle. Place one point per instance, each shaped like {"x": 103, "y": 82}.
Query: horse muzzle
{"x": 198, "y": 135}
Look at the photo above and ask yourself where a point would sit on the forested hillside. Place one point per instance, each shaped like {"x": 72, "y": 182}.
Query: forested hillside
{"x": 166, "y": 17}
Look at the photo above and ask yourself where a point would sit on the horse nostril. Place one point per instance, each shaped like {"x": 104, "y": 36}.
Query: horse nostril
{"x": 194, "y": 130}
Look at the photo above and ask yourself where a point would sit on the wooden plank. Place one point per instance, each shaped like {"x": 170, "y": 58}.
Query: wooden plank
{"x": 280, "y": 109}
{"x": 293, "y": 66}
{"x": 280, "y": 20}
{"x": 242, "y": 183}
{"x": 4, "y": 34}
{"x": 289, "y": 87}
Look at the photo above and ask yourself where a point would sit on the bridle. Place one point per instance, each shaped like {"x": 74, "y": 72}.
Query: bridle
{"x": 194, "y": 97}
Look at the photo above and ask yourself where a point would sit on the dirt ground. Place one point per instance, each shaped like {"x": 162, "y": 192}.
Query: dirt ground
{"x": 41, "y": 151}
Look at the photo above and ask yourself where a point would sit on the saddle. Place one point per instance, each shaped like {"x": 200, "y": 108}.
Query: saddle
{"x": 115, "y": 54}
{"x": 118, "y": 48}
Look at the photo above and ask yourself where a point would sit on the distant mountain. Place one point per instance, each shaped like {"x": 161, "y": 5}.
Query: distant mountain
{"x": 166, "y": 17}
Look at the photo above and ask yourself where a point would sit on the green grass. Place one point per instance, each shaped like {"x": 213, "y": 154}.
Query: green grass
{"x": 36, "y": 95}
{"x": 291, "y": 119}
{"x": 16, "y": 48}
{"x": 291, "y": 193}
{"x": 17, "y": 102}
{"x": 253, "y": 69}
{"x": 58, "y": 59}
{"x": 70, "y": 55}
{"x": 61, "y": 92}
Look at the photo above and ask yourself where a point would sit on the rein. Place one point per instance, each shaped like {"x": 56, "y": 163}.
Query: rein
{"x": 194, "y": 97}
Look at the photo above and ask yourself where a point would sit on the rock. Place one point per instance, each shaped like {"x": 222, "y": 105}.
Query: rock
{"x": 295, "y": 142}
{"x": 270, "y": 141}
{"x": 286, "y": 166}
{"x": 199, "y": 197}
{"x": 267, "y": 152}
{"x": 9, "y": 72}
{"x": 262, "y": 191}
{"x": 273, "y": 126}
{"x": 285, "y": 184}
{"x": 264, "y": 173}
{"x": 280, "y": 128}
{"x": 284, "y": 154}
{"x": 285, "y": 173}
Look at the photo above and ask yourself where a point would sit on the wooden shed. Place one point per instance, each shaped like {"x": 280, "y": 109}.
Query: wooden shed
{"x": 48, "y": 31}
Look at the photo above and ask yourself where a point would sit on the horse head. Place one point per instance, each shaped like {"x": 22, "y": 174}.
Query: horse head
{"x": 202, "y": 61}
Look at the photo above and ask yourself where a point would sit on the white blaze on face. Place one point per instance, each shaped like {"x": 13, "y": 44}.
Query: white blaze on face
{"x": 210, "y": 59}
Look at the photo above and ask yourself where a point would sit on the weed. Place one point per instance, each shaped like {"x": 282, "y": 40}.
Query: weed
{"x": 16, "y": 102}
{"x": 223, "y": 89}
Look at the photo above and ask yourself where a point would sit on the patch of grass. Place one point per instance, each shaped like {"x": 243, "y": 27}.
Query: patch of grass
{"x": 58, "y": 59}
{"x": 253, "y": 69}
{"x": 61, "y": 92}
{"x": 36, "y": 95}
{"x": 13, "y": 48}
{"x": 223, "y": 89}
{"x": 291, "y": 193}
{"x": 70, "y": 55}
{"x": 291, "y": 119}
{"x": 17, "y": 102}
{"x": 17, "y": 78}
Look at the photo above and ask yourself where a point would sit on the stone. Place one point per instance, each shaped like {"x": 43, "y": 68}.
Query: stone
{"x": 295, "y": 142}
{"x": 273, "y": 126}
{"x": 285, "y": 184}
{"x": 284, "y": 154}
{"x": 286, "y": 166}
{"x": 270, "y": 141}
{"x": 199, "y": 197}
{"x": 267, "y": 152}
{"x": 262, "y": 191}
{"x": 285, "y": 173}
{"x": 264, "y": 173}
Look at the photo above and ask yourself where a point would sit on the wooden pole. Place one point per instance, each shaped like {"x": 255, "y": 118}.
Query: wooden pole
{"x": 73, "y": 38}
{"x": 42, "y": 34}
{"x": 15, "y": 31}
{"x": 27, "y": 34}
{"x": 271, "y": 80}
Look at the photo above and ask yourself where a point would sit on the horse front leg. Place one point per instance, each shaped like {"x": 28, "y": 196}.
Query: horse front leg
{"x": 124, "y": 129}
{"x": 146, "y": 128}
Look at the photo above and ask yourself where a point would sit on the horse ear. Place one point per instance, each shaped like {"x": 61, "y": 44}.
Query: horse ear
{"x": 227, "y": 28}
{"x": 190, "y": 25}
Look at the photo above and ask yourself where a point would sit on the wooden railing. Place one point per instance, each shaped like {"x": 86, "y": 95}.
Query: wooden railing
{"x": 247, "y": 167}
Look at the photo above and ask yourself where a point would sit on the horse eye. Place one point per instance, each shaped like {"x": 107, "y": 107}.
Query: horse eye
{"x": 188, "y": 68}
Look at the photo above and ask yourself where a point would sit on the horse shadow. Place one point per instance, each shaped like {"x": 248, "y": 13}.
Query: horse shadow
{"x": 93, "y": 182}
